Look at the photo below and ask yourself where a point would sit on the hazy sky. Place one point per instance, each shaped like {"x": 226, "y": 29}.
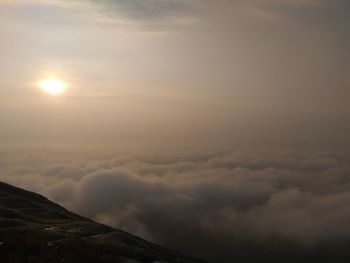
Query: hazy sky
{"x": 267, "y": 82}
{"x": 227, "y": 71}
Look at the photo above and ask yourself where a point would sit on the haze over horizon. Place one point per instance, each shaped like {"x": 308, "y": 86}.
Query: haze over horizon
{"x": 180, "y": 120}
{"x": 179, "y": 71}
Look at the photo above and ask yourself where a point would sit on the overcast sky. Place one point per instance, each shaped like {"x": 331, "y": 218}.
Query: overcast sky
{"x": 253, "y": 93}
{"x": 218, "y": 72}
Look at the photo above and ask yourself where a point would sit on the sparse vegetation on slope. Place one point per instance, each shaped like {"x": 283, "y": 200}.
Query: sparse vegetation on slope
{"x": 34, "y": 229}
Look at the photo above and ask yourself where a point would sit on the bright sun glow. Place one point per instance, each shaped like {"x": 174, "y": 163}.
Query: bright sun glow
{"x": 53, "y": 86}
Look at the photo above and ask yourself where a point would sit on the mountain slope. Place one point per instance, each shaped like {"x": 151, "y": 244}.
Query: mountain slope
{"x": 34, "y": 229}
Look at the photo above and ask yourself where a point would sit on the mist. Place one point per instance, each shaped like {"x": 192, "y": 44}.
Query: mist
{"x": 214, "y": 128}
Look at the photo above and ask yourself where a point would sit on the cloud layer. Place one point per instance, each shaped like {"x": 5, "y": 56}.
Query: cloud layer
{"x": 194, "y": 200}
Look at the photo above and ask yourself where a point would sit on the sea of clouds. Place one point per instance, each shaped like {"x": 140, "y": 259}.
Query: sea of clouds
{"x": 193, "y": 200}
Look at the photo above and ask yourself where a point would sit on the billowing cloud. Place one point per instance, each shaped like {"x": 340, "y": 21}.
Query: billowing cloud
{"x": 229, "y": 200}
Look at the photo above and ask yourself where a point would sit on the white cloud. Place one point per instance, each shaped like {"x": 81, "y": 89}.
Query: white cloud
{"x": 221, "y": 196}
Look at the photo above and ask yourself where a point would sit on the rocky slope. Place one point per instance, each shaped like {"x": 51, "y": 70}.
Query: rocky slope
{"x": 34, "y": 229}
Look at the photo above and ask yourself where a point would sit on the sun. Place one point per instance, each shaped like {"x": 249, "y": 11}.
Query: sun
{"x": 53, "y": 86}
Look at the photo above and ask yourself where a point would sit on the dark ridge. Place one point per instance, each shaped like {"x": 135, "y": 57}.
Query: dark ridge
{"x": 13, "y": 190}
{"x": 34, "y": 229}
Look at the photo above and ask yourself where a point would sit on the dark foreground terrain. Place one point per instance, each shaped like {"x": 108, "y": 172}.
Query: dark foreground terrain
{"x": 34, "y": 230}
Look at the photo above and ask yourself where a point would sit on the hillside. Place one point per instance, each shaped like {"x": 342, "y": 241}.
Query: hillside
{"x": 34, "y": 229}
